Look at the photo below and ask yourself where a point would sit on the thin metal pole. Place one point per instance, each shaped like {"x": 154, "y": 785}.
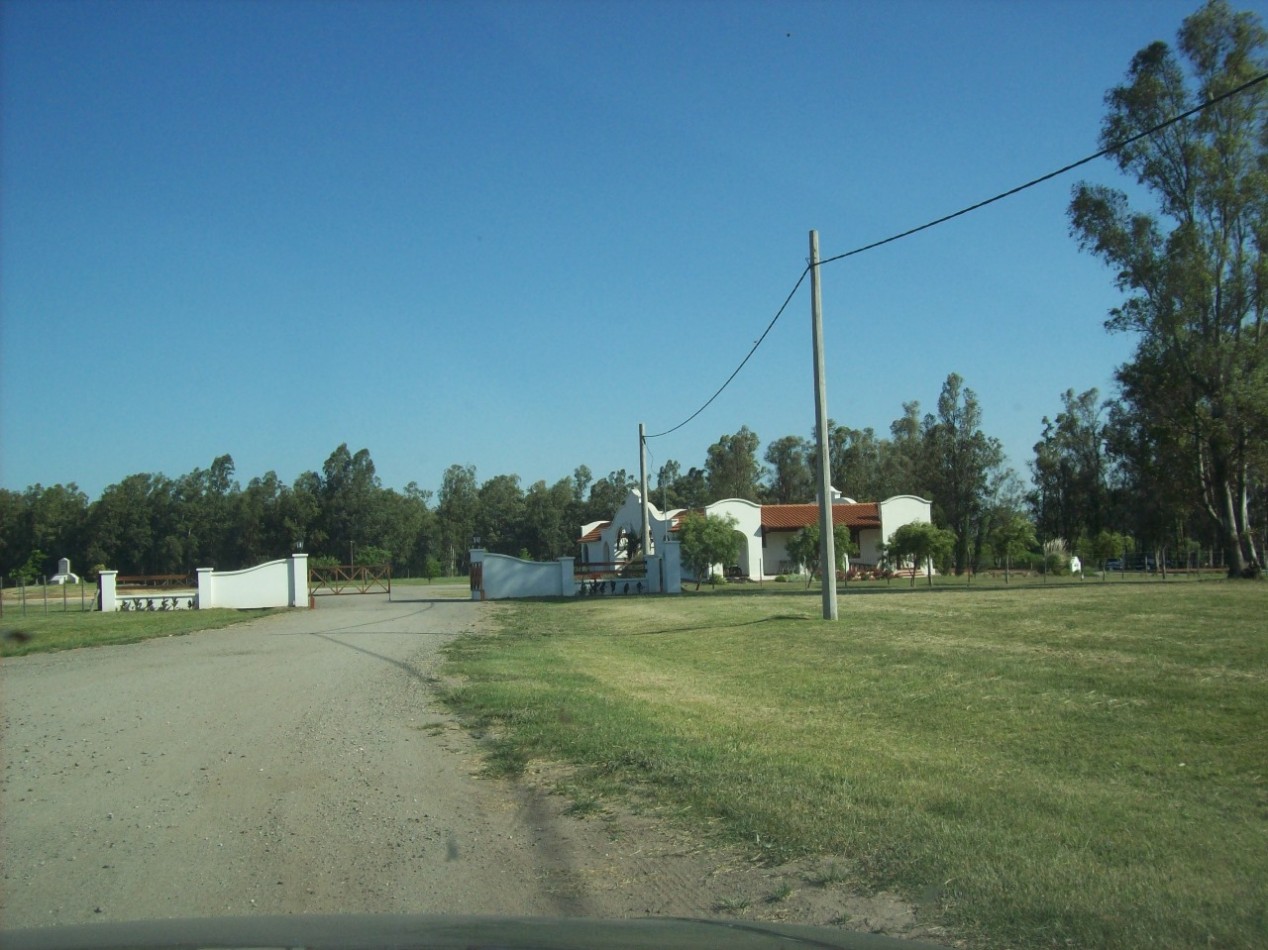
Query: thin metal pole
{"x": 827, "y": 543}
{"x": 642, "y": 487}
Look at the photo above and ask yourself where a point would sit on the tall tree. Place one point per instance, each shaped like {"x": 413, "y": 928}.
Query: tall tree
{"x": 731, "y": 468}
{"x": 859, "y": 461}
{"x": 906, "y": 469}
{"x": 350, "y": 502}
{"x": 1071, "y": 472}
{"x": 691, "y": 489}
{"x": 501, "y": 514}
{"x": 791, "y": 475}
{"x": 549, "y": 524}
{"x": 608, "y": 494}
{"x": 963, "y": 465}
{"x": 1195, "y": 272}
{"x": 457, "y": 503}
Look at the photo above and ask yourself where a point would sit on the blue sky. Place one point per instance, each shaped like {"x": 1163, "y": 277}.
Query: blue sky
{"x": 503, "y": 234}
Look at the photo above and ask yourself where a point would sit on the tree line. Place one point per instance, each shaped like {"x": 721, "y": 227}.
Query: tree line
{"x": 1174, "y": 465}
{"x": 1079, "y": 492}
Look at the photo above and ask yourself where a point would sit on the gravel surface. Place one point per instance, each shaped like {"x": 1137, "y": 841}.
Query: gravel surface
{"x": 300, "y": 763}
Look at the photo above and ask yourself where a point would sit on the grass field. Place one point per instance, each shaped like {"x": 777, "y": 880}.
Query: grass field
{"x": 45, "y": 633}
{"x": 1082, "y": 765}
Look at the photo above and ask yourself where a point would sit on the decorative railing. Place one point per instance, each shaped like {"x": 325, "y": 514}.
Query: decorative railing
{"x": 610, "y": 570}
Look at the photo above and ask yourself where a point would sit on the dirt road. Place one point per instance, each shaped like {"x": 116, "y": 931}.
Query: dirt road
{"x": 300, "y": 763}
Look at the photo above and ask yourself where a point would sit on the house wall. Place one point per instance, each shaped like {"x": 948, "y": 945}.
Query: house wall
{"x": 775, "y": 553}
{"x": 896, "y": 512}
{"x": 629, "y": 517}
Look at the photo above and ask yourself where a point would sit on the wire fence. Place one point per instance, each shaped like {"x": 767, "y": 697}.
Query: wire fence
{"x": 18, "y": 598}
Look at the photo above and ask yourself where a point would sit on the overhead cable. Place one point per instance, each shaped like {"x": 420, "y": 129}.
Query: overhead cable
{"x": 1108, "y": 150}
{"x": 769, "y": 327}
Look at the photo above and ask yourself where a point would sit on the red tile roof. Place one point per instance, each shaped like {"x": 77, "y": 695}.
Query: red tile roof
{"x": 795, "y": 517}
{"x": 593, "y": 533}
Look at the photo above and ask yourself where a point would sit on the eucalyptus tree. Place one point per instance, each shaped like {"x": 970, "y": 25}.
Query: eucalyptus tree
{"x": 963, "y": 464}
{"x": 456, "y": 507}
{"x": 791, "y": 477}
{"x": 731, "y": 466}
{"x": 1071, "y": 470}
{"x": 1193, "y": 270}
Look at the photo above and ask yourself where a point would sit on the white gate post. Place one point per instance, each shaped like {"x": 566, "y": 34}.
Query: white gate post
{"x": 206, "y": 583}
{"x": 567, "y": 577}
{"x": 297, "y": 580}
{"x": 108, "y": 602}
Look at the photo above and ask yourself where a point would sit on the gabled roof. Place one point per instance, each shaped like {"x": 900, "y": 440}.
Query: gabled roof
{"x": 594, "y": 533}
{"x": 795, "y": 517}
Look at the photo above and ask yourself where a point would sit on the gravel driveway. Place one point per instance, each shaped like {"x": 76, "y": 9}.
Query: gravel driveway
{"x": 295, "y": 764}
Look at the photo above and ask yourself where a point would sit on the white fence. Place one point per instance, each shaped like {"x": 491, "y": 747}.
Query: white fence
{"x": 282, "y": 583}
{"x": 500, "y": 576}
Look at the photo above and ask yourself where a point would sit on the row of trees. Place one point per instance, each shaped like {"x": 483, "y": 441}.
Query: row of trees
{"x": 152, "y": 524}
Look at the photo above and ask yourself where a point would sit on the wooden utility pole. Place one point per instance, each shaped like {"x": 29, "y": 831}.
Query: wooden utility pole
{"x": 642, "y": 487}
{"x": 827, "y": 542}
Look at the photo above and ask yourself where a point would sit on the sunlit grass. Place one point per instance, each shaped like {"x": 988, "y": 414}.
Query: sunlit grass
{"x": 1084, "y": 763}
{"x": 45, "y": 633}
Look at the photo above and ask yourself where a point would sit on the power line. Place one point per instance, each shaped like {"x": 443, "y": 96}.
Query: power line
{"x": 770, "y": 326}
{"x": 1108, "y": 150}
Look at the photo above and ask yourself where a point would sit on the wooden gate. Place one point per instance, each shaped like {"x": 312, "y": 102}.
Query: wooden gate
{"x": 350, "y": 579}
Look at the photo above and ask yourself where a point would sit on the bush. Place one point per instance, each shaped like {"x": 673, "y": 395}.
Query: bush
{"x": 717, "y": 580}
{"x": 781, "y": 579}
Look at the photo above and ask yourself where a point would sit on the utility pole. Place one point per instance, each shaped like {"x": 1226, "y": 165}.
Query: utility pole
{"x": 827, "y": 543}
{"x": 642, "y": 487}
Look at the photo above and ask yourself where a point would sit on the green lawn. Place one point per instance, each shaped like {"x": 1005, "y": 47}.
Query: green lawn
{"x": 1081, "y": 765}
{"x": 38, "y": 632}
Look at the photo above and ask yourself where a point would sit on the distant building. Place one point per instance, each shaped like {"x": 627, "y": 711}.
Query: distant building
{"x": 766, "y": 529}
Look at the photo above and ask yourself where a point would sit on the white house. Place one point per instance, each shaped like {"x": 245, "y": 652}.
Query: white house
{"x": 766, "y": 529}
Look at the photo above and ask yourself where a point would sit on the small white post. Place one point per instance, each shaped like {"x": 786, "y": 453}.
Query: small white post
{"x": 107, "y": 601}
{"x": 206, "y": 584}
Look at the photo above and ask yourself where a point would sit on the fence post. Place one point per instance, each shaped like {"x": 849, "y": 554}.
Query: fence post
{"x": 44, "y": 585}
